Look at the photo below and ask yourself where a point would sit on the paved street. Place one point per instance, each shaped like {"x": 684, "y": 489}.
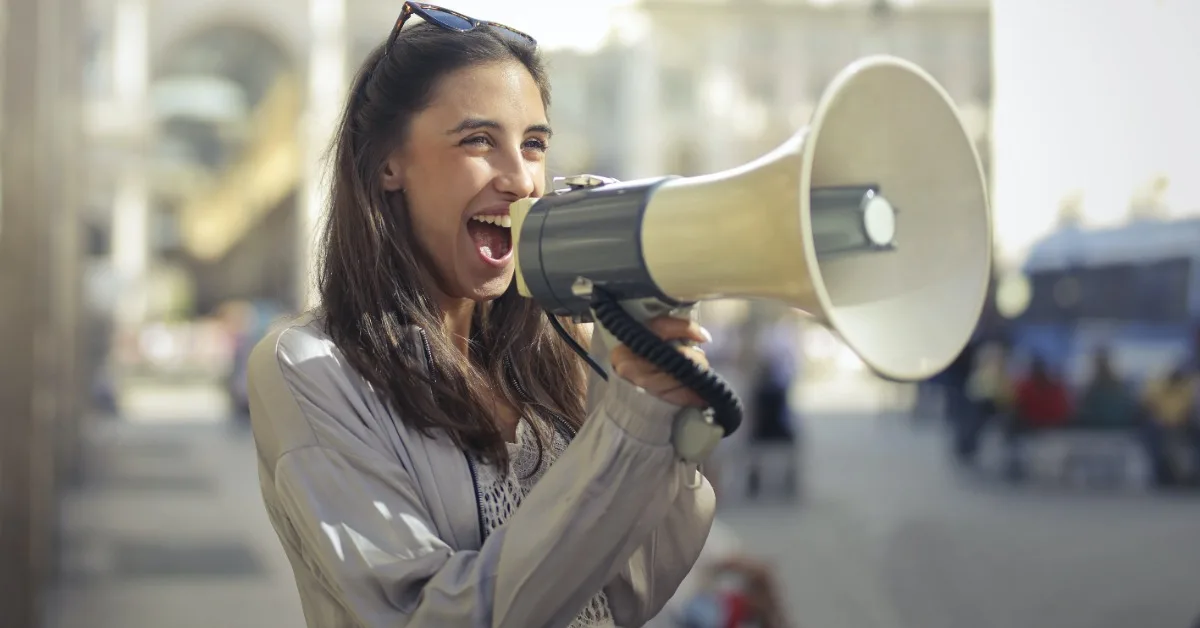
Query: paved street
{"x": 170, "y": 533}
{"x": 890, "y": 536}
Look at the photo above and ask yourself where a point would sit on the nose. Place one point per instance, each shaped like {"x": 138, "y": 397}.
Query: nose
{"x": 515, "y": 178}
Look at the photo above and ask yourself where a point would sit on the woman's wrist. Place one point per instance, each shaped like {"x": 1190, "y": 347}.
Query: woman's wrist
{"x": 641, "y": 415}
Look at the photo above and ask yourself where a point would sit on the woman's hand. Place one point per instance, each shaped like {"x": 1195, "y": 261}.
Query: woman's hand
{"x": 644, "y": 374}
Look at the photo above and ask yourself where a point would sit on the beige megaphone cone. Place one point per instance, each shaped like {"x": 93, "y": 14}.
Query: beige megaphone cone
{"x": 810, "y": 224}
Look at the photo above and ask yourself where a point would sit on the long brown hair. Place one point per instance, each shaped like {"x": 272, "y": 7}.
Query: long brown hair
{"x": 374, "y": 277}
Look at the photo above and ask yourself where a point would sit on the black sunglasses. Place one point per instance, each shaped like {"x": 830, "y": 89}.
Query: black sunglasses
{"x": 451, "y": 21}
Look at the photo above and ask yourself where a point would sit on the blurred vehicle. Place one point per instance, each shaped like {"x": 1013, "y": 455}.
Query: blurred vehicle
{"x": 166, "y": 369}
{"x": 247, "y": 323}
{"x": 1133, "y": 290}
{"x": 176, "y": 350}
{"x": 1129, "y": 295}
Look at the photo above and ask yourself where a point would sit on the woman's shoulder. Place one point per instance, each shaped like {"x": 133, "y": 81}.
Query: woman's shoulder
{"x": 301, "y": 334}
{"x": 295, "y": 348}
{"x": 304, "y": 392}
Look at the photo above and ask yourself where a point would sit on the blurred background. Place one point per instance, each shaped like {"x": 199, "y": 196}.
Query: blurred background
{"x": 161, "y": 176}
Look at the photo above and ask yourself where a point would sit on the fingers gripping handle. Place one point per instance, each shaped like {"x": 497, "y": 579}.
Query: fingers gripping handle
{"x": 695, "y": 433}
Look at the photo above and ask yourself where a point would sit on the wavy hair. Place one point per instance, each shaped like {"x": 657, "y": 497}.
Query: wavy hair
{"x": 374, "y": 277}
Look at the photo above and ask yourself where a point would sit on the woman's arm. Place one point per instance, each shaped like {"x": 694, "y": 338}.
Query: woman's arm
{"x": 642, "y": 586}
{"x": 365, "y": 529}
{"x": 653, "y": 574}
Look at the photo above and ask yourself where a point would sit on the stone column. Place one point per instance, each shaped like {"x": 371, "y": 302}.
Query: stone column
{"x": 131, "y": 201}
{"x": 721, "y": 93}
{"x": 327, "y": 85}
{"x": 66, "y": 197}
{"x": 39, "y": 276}
{"x": 640, "y": 109}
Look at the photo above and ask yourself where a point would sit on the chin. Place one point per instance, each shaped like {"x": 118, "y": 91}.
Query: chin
{"x": 492, "y": 289}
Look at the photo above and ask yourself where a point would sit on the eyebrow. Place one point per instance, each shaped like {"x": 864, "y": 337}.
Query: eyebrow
{"x": 474, "y": 124}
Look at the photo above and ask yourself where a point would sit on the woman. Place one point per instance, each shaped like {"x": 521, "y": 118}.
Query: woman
{"x": 412, "y": 433}
{"x": 1040, "y": 403}
{"x": 773, "y": 433}
{"x": 1169, "y": 406}
{"x": 988, "y": 396}
{"x": 1107, "y": 401}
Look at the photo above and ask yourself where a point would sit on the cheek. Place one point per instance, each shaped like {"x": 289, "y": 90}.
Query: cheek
{"x": 435, "y": 222}
{"x": 437, "y": 209}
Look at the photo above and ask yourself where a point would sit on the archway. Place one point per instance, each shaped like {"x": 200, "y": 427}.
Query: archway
{"x": 225, "y": 165}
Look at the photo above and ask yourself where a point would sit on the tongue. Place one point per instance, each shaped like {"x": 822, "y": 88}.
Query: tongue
{"x": 493, "y": 241}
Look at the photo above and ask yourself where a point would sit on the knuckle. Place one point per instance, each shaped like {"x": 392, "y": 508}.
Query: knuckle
{"x": 669, "y": 323}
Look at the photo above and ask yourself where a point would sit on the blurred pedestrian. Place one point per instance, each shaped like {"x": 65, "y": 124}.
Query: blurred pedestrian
{"x": 738, "y": 592}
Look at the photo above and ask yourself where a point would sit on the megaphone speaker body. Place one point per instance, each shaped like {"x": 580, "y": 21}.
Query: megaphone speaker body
{"x": 884, "y": 133}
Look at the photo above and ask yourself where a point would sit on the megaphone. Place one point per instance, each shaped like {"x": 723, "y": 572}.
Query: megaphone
{"x": 873, "y": 220}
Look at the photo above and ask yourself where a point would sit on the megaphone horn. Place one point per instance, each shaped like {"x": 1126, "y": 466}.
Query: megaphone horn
{"x": 873, "y": 220}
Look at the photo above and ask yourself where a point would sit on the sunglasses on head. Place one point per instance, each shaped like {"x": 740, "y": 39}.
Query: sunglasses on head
{"x": 451, "y": 21}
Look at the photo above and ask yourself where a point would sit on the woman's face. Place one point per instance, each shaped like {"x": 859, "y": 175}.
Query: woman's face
{"x": 480, "y": 145}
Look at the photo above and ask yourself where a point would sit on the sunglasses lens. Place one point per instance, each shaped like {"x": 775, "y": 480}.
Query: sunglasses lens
{"x": 447, "y": 20}
{"x": 511, "y": 35}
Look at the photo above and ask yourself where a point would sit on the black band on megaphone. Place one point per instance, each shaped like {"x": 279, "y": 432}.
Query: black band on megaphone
{"x": 565, "y": 238}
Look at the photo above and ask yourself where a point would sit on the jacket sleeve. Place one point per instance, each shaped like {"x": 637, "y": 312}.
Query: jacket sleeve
{"x": 644, "y": 584}
{"x": 613, "y": 509}
{"x": 649, "y": 580}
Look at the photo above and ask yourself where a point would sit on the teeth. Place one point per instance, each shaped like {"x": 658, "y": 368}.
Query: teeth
{"x": 499, "y": 221}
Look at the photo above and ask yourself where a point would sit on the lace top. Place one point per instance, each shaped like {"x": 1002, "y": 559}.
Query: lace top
{"x": 500, "y": 494}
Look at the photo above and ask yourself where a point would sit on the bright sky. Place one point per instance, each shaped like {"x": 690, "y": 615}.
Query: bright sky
{"x": 1094, "y": 96}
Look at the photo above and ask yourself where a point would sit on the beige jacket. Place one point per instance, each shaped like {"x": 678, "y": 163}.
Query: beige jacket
{"x": 381, "y": 524}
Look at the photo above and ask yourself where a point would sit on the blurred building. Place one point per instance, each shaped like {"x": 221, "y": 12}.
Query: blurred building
{"x": 710, "y": 85}
{"x": 194, "y": 157}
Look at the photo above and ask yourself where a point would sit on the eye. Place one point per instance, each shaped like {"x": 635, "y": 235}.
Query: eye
{"x": 478, "y": 141}
{"x": 534, "y": 143}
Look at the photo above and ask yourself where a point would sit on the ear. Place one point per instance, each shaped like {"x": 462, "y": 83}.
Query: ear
{"x": 393, "y": 172}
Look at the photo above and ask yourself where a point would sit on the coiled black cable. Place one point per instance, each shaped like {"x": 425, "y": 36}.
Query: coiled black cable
{"x": 726, "y": 406}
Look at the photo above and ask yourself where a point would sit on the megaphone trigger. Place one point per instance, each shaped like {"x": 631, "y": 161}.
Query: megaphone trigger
{"x": 624, "y": 322}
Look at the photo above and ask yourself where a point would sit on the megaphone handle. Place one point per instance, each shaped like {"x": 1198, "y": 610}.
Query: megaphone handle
{"x": 694, "y": 435}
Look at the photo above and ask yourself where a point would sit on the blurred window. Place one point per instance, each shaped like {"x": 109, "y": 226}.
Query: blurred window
{"x": 1162, "y": 290}
{"x": 1152, "y": 292}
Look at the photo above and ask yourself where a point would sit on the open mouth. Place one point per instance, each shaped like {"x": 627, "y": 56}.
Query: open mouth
{"x": 492, "y": 235}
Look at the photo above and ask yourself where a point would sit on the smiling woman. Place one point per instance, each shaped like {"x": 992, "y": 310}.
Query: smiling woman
{"x": 463, "y": 152}
{"x": 413, "y": 432}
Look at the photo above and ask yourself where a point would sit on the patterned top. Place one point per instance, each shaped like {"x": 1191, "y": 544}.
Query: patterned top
{"x": 500, "y": 494}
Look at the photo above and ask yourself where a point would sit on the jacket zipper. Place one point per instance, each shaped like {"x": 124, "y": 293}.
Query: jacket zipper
{"x": 563, "y": 425}
{"x": 470, "y": 461}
